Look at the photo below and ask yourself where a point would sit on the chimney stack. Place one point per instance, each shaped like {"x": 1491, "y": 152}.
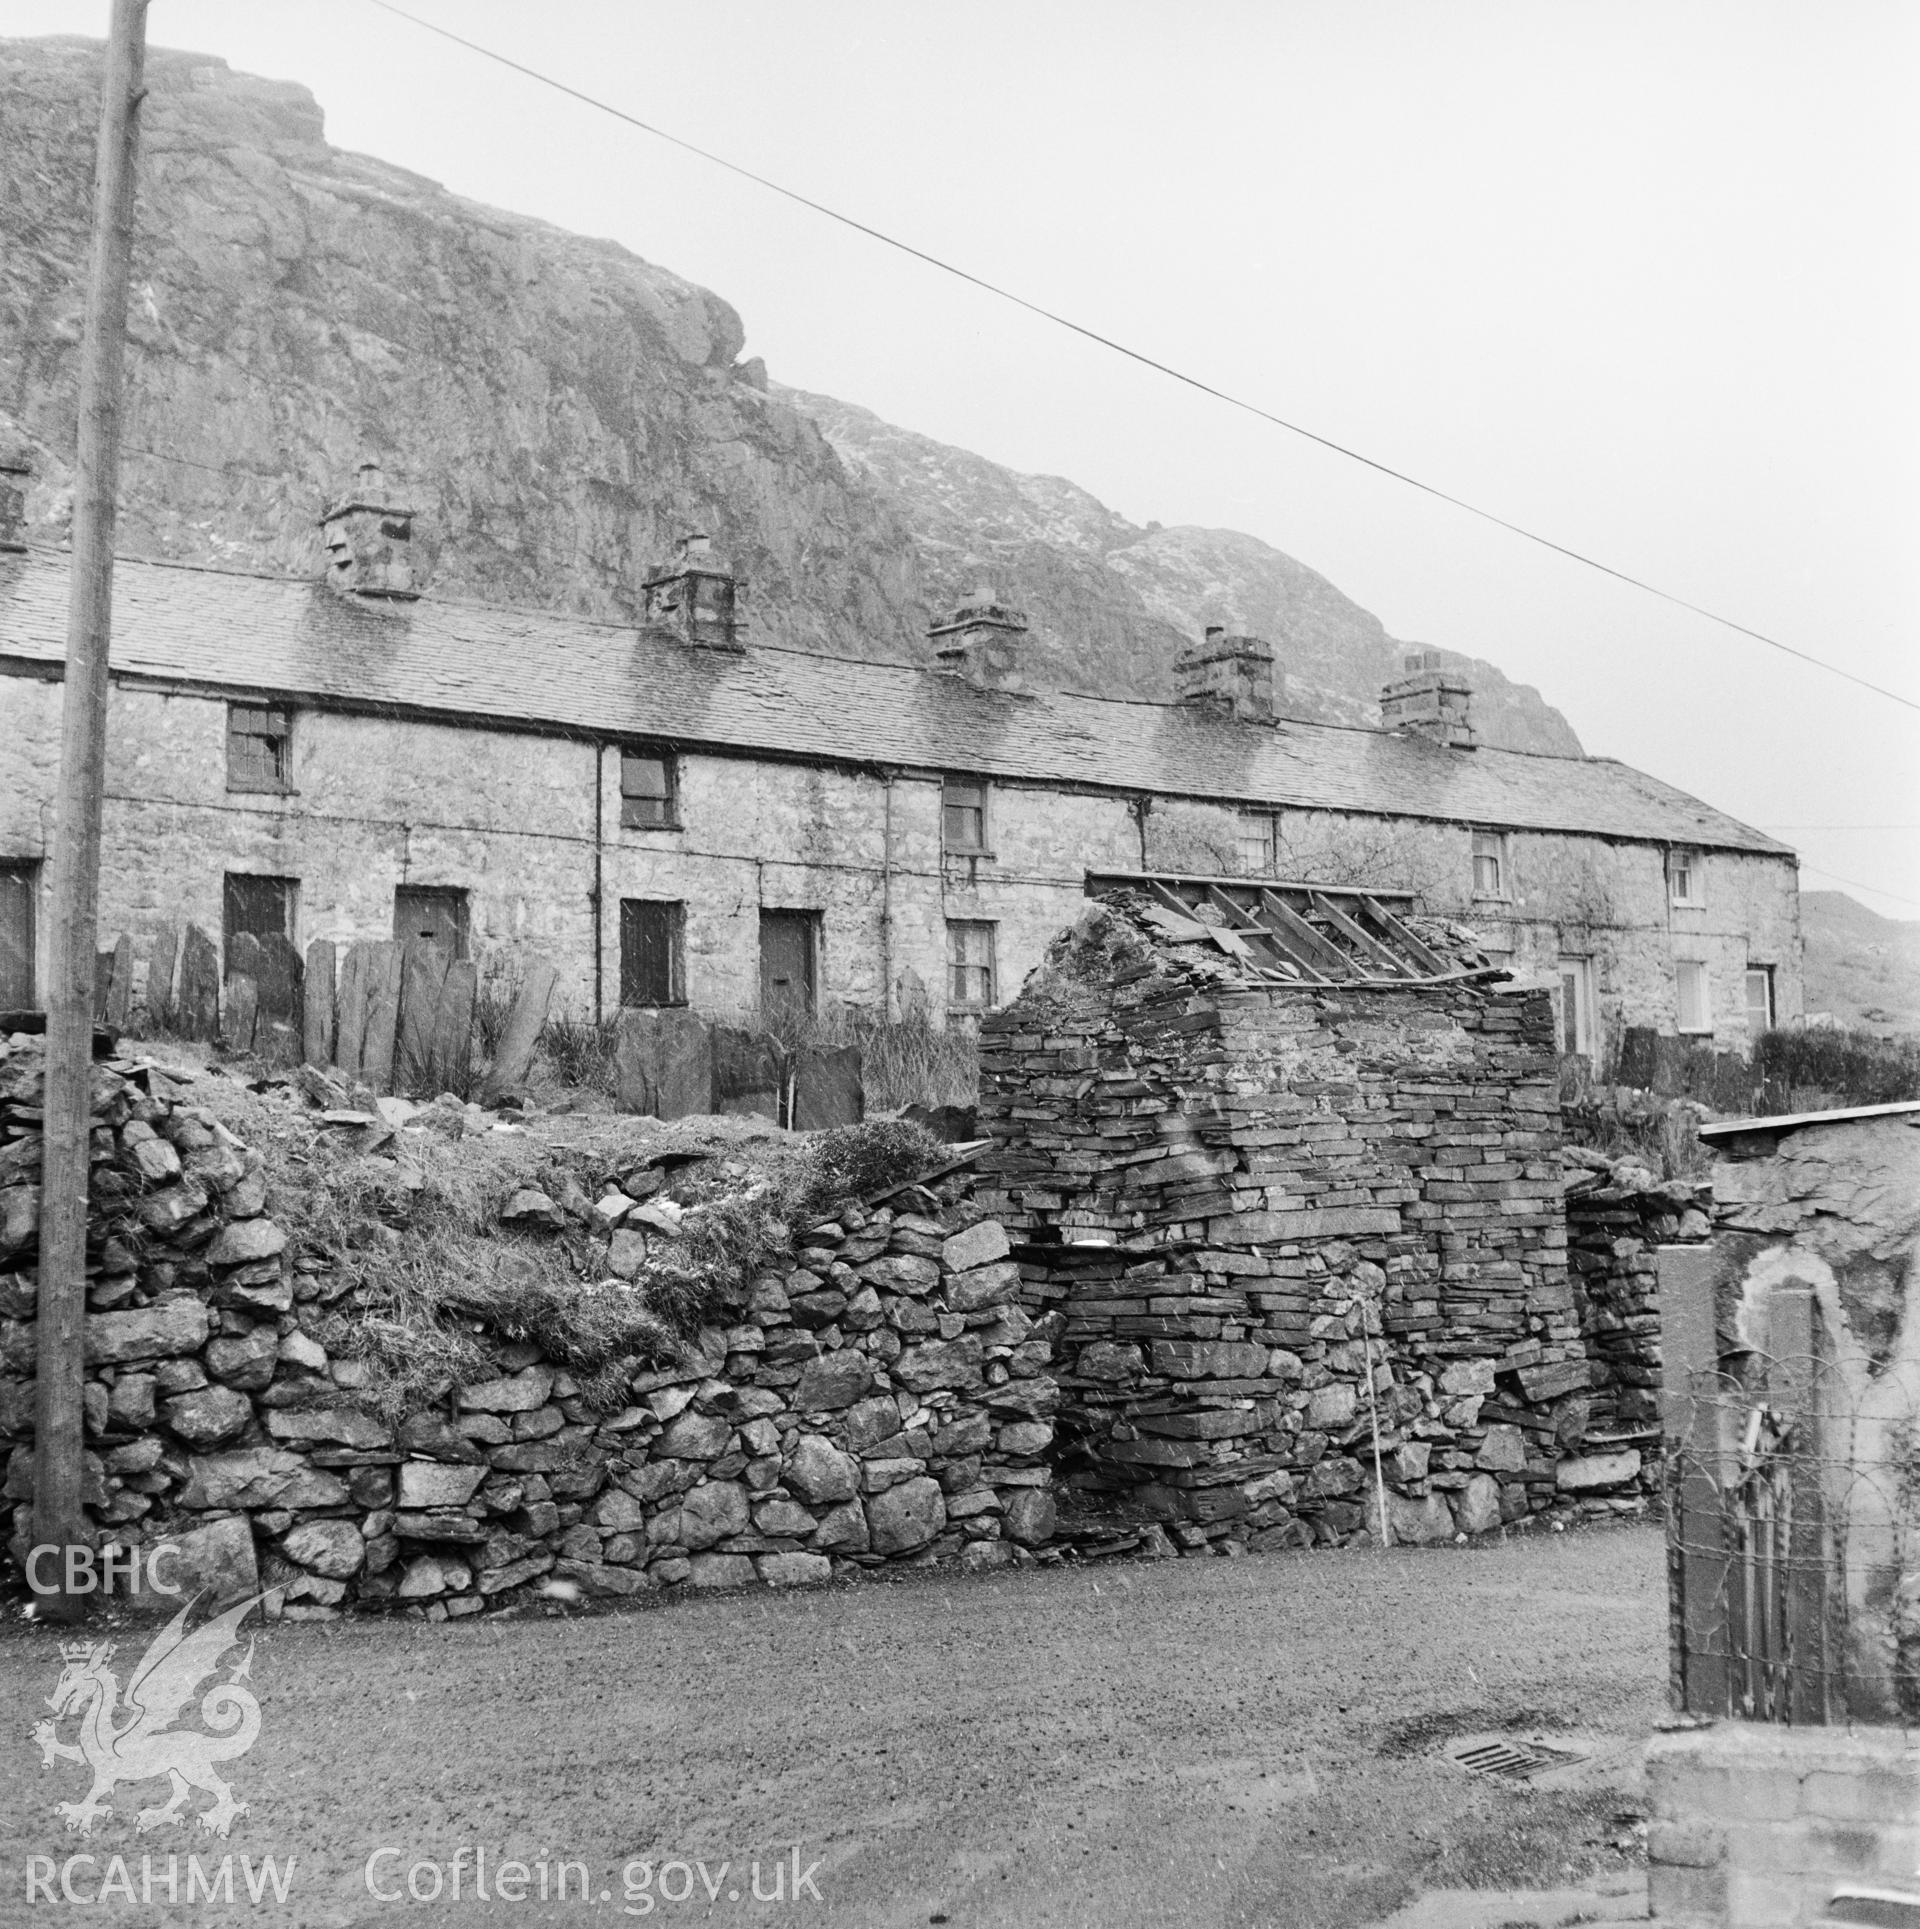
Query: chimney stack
{"x": 369, "y": 540}
{"x": 981, "y": 641}
{"x": 1232, "y": 676}
{"x": 16, "y": 465}
{"x": 1430, "y": 701}
{"x": 697, "y": 597}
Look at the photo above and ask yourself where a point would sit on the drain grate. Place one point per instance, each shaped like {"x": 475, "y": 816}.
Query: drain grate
{"x": 1510, "y": 1760}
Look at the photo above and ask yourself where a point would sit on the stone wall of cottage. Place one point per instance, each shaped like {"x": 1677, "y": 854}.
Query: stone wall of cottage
{"x": 513, "y": 820}
{"x": 879, "y": 1396}
{"x": 1297, "y": 1194}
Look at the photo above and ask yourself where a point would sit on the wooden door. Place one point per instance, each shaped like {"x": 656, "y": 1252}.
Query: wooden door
{"x": 788, "y": 949}
{"x": 433, "y": 912}
{"x": 16, "y": 936}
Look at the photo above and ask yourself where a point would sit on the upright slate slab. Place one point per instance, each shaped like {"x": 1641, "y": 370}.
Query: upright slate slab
{"x": 663, "y": 1064}
{"x": 384, "y": 962}
{"x": 197, "y": 1005}
{"x": 350, "y": 1030}
{"x": 316, "y": 1036}
{"x": 102, "y": 984}
{"x": 513, "y": 1059}
{"x": 281, "y": 978}
{"x": 239, "y": 1010}
{"x": 746, "y": 1072}
{"x": 120, "y": 984}
{"x": 160, "y": 975}
{"x": 451, "y": 1056}
{"x": 423, "y": 972}
{"x": 827, "y": 1088}
{"x": 685, "y": 1085}
{"x": 635, "y": 1060}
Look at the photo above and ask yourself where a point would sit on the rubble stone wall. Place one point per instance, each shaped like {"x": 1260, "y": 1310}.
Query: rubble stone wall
{"x": 1618, "y": 1216}
{"x": 1298, "y": 1191}
{"x": 878, "y": 1397}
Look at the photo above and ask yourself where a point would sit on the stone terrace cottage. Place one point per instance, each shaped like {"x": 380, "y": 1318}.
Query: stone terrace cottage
{"x": 673, "y": 816}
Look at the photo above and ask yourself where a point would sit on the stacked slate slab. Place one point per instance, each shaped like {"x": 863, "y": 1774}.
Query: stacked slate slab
{"x": 1619, "y": 1215}
{"x": 1239, "y": 1191}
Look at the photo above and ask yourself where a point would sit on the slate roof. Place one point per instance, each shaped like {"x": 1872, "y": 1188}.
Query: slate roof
{"x": 245, "y": 633}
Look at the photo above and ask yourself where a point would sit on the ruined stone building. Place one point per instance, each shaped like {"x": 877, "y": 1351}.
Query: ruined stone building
{"x": 1293, "y": 1195}
{"x": 676, "y": 813}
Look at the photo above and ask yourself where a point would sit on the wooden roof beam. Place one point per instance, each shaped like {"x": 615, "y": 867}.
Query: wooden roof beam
{"x": 1398, "y": 932}
{"x": 1282, "y": 916}
{"x": 1369, "y": 946}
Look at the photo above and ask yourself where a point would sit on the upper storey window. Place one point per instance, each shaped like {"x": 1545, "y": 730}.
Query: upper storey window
{"x": 1490, "y": 878}
{"x": 259, "y": 747}
{"x": 963, "y": 815}
{"x": 649, "y": 791}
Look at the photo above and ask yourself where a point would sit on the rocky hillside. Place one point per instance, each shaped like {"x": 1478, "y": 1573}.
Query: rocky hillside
{"x": 558, "y": 410}
{"x": 1861, "y": 967}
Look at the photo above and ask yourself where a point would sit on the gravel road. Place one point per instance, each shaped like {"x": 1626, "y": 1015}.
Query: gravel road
{"x": 1195, "y": 1743}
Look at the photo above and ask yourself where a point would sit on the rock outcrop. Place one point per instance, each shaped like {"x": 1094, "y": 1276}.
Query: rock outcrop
{"x": 558, "y": 410}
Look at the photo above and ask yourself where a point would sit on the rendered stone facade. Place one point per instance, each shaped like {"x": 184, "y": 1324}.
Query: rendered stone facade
{"x": 454, "y": 749}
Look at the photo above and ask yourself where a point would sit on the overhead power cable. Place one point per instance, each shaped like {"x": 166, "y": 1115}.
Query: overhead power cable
{"x": 1853, "y": 883}
{"x": 1137, "y": 355}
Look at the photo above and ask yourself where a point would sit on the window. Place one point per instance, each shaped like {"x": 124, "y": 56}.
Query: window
{"x": 649, "y": 791}
{"x": 433, "y": 912}
{"x": 651, "y": 935}
{"x": 1695, "y": 1000}
{"x": 969, "y": 963}
{"x": 789, "y": 949}
{"x": 1576, "y": 1007}
{"x": 1489, "y": 864}
{"x": 259, "y": 907}
{"x": 1256, "y": 841}
{"x": 1759, "y": 999}
{"x": 1686, "y": 880}
{"x": 963, "y": 815}
{"x": 17, "y": 893}
{"x": 259, "y": 747}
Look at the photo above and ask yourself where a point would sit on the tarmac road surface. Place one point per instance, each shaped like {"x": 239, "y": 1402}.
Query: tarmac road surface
{"x": 1197, "y": 1742}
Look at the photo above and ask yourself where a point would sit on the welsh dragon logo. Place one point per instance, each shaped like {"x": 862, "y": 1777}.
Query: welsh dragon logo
{"x": 135, "y": 1741}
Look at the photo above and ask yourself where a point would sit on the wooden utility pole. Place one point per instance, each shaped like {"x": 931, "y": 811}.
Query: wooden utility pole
{"x": 58, "y": 1517}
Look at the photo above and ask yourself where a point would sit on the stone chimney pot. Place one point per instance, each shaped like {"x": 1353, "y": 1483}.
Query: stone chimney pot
{"x": 369, "y": 540}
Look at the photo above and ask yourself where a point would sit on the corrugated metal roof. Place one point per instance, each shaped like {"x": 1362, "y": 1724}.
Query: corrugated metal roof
{"x": 567, "y": 673}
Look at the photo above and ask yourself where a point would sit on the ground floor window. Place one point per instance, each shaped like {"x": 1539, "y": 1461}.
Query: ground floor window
{"x": 1759, "y": 999}
{"x": 650, "y": 952}
{"x": 1576, "y": 1007}
{"x": 1694, "y": 995}
{"x": 970, "y": 976}
{"x": 435, "y": 912}
{"x": 19, "y": 884}
{"x": 260, "y": 907}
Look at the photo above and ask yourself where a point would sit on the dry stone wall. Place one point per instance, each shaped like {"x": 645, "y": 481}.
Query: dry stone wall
{"x": 1618, "y": 1216}
{"x": 878, "y": 1396}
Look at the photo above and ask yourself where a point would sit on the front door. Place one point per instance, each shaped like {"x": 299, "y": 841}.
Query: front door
{"x": 432, "y": 912}
{"x": 788, "y": 947}
{"x": 16, "y": 936}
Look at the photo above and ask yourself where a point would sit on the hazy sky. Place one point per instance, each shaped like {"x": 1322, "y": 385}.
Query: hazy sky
{"x": 1639, "y": 276}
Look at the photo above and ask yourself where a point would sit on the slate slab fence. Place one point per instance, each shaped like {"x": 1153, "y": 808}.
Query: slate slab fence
{"x": 401, "y": 1017}
{"x": 397, "y": 1017}
{"x": 676, "y": 1064}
